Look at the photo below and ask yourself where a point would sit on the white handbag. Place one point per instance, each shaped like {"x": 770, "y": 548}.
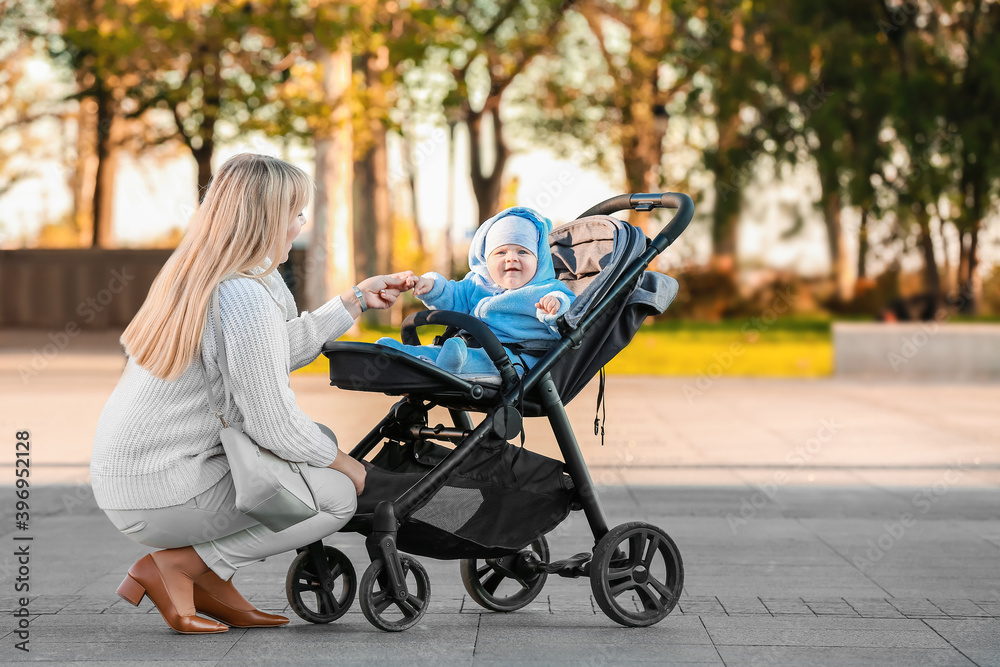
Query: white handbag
{"x": 268, "y": 488}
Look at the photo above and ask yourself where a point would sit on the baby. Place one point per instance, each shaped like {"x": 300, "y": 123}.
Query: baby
{"x": 511, "y": 287}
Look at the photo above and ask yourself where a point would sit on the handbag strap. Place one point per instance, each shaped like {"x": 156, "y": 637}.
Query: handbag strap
{"x": 220, "y": 344}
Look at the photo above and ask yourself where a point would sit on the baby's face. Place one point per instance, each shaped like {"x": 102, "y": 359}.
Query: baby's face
{"x": 511, "y": 266}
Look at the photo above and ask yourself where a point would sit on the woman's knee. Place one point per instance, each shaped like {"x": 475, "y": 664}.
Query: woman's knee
{"x": 334, "y": 492}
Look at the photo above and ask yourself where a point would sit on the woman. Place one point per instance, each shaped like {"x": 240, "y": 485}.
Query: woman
{"x": 158, "y": 468}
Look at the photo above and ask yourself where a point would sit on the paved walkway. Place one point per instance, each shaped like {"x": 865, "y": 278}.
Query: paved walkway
{"x": 823, "y": 522}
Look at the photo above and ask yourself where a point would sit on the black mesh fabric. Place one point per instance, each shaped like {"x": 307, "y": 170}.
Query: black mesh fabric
{"x": 496, "y": 503}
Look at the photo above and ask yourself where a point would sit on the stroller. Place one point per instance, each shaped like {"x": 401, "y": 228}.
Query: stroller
{"x": 484, "y": 500}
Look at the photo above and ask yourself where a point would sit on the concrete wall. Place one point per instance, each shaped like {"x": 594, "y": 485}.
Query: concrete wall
{"x": 89, "y": 289}
{"x": 930, "y": 350}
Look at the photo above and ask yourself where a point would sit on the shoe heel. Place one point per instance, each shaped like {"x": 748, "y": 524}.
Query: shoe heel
{"x": 131, "y": 591}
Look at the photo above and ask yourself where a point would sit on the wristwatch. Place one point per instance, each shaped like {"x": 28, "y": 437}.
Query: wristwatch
{"x": 361, "y": 298}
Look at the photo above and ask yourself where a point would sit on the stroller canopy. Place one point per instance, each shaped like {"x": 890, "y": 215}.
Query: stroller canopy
{"x": 590, "y": 256}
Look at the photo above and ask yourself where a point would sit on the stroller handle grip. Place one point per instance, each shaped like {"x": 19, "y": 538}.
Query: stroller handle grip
{"x": 482, "y": 333}
{"x": 647, "y": 202}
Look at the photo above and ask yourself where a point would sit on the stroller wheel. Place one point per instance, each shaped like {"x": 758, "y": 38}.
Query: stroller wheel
{"x": 499, "y": 589}
{"x": 636, "y": 574}
{"x": 306, "y": 594}
{"x": 382, "y": 609}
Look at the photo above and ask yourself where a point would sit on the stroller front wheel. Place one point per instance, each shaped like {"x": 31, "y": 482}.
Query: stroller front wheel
{"x": 307, "y": 595}
{"x": 636, "y": 574}
{"x": 484, "y": 580}
{"x": 382, "y": 608}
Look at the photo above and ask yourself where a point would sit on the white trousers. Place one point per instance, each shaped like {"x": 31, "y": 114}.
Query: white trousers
{"x": 225, "y": 538}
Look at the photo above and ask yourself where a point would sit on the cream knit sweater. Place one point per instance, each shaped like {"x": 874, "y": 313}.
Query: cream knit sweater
{"x": 158, "y": 445}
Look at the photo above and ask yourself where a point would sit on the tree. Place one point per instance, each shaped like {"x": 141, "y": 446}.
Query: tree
{"x": 388, "y": 41}
{"x": 696, "y": 61}
{"x": 837, "y": 73}
{"x": 967, "y": 34}
{"x": 749, "y": 115}
{"x": 490, "y": 44}
{"x": 96, "y": 42}
{"x": 209, "y": 63}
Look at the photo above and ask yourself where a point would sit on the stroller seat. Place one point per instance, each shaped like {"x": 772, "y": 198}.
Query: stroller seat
{"x": 590, "y": 256}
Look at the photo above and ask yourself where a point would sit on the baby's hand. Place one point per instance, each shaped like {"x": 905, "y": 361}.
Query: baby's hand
{"x": 422, "y": 285}
{"x": 549, "y": 304}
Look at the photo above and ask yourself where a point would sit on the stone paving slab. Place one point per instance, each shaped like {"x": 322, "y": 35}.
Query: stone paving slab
{"x": 769, "y": 606}
{"x": 792, "y": 556}
{"x": 794, "y": 656}
{"x": 979, "y": 640}
{"x": 583, "y": 602}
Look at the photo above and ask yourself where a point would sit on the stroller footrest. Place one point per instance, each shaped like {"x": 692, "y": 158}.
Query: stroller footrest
{"x": 572, "y": 567}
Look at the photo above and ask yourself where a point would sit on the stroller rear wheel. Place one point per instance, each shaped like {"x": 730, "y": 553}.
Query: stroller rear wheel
{"x": 636, "y": 574}
{"x": 307, "y": 595}
{"x": 484, "y": 579}
{"x": 385, "y": 611}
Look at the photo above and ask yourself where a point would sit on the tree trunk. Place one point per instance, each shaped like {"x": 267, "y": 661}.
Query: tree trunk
{"x": 108, "y": 131}
{"x": 202, "y": 142}
{"x": 642, "y": 151}
{"x": 642, "y": 146}
{"x": 373, "y": 238}
{"x": 863, "y": 245}
{"x": 411, "y": 179}
{"x": 364, "y": 219}
{"x": 725, "y": 215}
{"x": 203, "y": 156}
{"x": 969, "y": 285}
{"x": 83, "y": 180}
{"x": 449, "y": 224}
{"x": 724, "y": 240}
{"x": 329, "y": 264}
{"x": 932, "y": 277}
{"x": 839, "y": 262}
{"x": 729, "y": 183}
{"x": 381, "y": 201}
{"x": 487, "y": 188}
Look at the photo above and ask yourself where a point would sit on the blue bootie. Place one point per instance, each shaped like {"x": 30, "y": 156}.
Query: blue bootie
{"x": 423, "y": 352}
{"x": 453, "y": 354}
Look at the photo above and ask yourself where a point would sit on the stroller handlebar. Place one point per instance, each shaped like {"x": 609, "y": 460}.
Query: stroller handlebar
{"x": 482, "y": 333}
{"x": 647, "y": 202}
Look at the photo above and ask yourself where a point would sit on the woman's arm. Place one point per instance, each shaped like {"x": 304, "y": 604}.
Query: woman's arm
{"x": 258, "y": 353}
{"x": 308, "y": 331}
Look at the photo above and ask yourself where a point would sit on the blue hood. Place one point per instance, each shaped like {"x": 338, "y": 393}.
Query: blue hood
{"x": 477, "y": 251}
{"x": 511, "y": 314}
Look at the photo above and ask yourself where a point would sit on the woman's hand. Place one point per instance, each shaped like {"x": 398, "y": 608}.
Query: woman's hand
{"x": 379, "y": 292}
{"x": 351, "y": 467}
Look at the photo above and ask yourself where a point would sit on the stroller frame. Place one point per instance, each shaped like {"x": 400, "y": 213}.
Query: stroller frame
{"x": 323, "y": 570}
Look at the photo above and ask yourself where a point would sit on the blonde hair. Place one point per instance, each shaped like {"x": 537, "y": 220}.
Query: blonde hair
{"x": 242, "y": 221}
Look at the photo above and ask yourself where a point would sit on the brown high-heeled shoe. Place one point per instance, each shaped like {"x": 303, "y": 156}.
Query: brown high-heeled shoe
{"x": 210, "y": 604}
{"x": 144, "y": 578}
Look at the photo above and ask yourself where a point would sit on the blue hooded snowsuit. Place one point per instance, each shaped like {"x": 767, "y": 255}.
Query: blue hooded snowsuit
{"x": 510, "y": 313}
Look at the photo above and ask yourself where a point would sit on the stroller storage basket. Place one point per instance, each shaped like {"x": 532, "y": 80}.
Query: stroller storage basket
{"x": 498, "y": 501}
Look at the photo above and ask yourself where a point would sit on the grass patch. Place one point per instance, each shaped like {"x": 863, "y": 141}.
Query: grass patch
{"x": 726, "y": 353}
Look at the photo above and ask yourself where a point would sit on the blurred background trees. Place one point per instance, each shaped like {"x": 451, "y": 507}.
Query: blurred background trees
{"x": 880, "y": 114}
